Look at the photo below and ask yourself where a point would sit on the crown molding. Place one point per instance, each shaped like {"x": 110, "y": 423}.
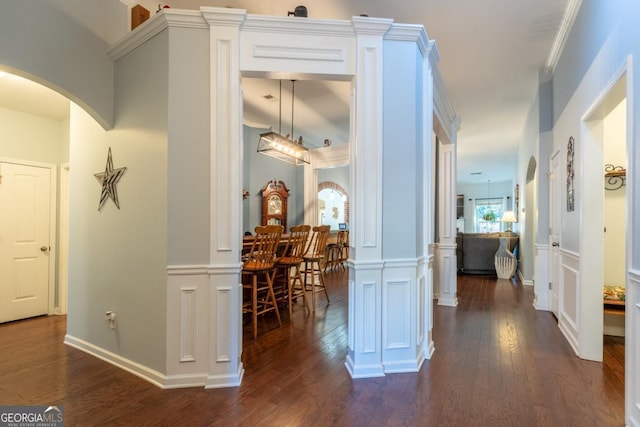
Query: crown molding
{"x": 156, "y": 24}
{"x": 410, "y": 33}
{"x": 569, "y": 17}
{"x": 364, "y": 25}
{"x": 223, "y": 16}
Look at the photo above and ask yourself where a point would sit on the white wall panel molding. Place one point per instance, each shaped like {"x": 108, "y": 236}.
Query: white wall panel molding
{"x": 289, "y": 26}
{"x": 402, "y": 316}
{"x": 397, "y": 323}
{"x": 541, "y": 273}
{"x": 186, "y": 270}
{"x": 224, "y": 316}
{"x": 569, "y": 295}
{"x": 370, "y": 308}
{"x": 447, "y": 275}
{"x": 188, "y": 323}
{"x": 225, "y": 333}
{"x": 283, "y": 47}
{"x": 299, "y": 53}
{"x": 401, "y": 263}
{"x": 224, "y": 269}
{"x": 187, "y": 326}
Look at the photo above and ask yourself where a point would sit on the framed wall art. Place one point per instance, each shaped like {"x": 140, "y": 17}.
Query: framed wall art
{"x": 570, "y": 173}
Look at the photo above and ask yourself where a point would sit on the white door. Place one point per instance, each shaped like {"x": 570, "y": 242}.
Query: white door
{"x": 555, "y": 200}
{"x": 24, "y": 240}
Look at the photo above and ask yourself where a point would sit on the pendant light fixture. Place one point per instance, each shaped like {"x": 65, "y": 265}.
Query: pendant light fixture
{"x": 282, "y": 147}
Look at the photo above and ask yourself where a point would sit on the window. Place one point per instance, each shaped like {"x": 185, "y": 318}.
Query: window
{"x": 488, "y": 214}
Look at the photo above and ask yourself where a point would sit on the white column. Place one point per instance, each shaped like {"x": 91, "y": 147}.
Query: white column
{"x": 364, "y": 357}
{"x": 224, "y": 323}
{"x": 446, "y": 252}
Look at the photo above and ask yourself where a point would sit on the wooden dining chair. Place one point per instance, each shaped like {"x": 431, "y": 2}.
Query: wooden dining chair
{"x": 288, "y": 266}
{"x": 260, "y": 261}
{"x": 313, "y": 259}
{"x": 338, "y": 251}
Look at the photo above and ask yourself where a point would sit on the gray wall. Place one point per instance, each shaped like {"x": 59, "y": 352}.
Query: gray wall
{"x": 118, "y": 257}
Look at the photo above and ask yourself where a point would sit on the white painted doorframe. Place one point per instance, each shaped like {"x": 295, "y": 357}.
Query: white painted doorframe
{"x": 63, "y": 252}
{"x": 555, "y": 215}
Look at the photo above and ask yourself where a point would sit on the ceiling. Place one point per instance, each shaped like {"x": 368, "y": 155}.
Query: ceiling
{"x": 491, "y": 53}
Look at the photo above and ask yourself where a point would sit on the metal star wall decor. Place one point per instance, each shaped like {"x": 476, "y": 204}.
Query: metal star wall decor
{"x": 109, "y": 180}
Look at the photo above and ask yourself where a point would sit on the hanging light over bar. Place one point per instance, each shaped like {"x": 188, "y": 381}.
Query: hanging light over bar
{"x": 282, "y": 148}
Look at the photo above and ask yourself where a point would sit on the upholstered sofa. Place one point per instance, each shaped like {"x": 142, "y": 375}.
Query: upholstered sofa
{"x": 476, "y": 251}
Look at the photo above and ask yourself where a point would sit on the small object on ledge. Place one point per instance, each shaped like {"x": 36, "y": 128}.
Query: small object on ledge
{"x": 299, "y": 11}
{"x": 139, "y": 15}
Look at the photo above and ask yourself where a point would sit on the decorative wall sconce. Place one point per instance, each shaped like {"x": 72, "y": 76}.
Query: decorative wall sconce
{"x": 614, "y": 177}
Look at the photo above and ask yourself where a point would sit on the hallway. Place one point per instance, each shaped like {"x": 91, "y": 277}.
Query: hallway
{"x": 497, "y": 362}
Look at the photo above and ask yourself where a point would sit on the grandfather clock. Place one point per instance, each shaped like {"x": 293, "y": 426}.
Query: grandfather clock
{"x": 274, "y": 203}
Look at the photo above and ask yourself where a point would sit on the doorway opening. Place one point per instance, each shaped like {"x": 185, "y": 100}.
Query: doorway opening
{"x": 605, "y": 223}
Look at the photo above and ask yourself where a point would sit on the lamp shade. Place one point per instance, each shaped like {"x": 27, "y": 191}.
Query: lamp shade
{"x": 509, "y": 216}
{"x": 277, "y": 146}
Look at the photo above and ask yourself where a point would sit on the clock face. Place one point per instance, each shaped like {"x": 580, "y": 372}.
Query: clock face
{"x": 274, "y": 205}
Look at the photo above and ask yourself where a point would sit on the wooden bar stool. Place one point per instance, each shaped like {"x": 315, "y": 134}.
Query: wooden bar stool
{"x": 260, "y": 260}
{"x": 338, "y": 252}
{"x": 291, "y": 259}
{"x": 313, "y": 258}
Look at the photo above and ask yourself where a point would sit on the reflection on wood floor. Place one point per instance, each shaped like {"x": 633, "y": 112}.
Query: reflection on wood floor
{"x": 498, "y": 362}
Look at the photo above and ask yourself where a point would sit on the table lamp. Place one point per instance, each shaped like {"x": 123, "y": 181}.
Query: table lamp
{"x": 509, "y": 217}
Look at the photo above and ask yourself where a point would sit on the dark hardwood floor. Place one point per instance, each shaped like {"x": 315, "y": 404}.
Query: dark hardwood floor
{"x": 498, "y": 362}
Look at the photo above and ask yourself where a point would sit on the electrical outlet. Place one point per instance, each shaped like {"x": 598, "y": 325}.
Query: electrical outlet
{"x": 111, "y": 319}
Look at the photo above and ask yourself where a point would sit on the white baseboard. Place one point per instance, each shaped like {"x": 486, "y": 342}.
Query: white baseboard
{"x": 523, "y": 281}
{"x": 154, "y": 377}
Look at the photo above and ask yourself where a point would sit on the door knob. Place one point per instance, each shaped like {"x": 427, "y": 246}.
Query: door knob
{"x": 555, "y": 244}
{"x": 44, "y": 248}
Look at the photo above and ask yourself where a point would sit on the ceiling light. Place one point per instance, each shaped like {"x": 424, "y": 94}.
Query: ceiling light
{"x": 281, "y": 147}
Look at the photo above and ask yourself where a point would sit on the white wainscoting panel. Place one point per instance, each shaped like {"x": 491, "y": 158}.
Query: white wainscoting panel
{"x": 369, "y": 305}
{"x": 224, "y": 317}
{"x": 422, "y": 309}
{"x": 447, "y": 275}
{"x": 569, "y": 320}
{"x": 400, "y": 349}
{"x": 188, "y": 314}
{"x": 397, "y": 317}
{"x": 186, "y": 326}
{"x": 541, "y": 273}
